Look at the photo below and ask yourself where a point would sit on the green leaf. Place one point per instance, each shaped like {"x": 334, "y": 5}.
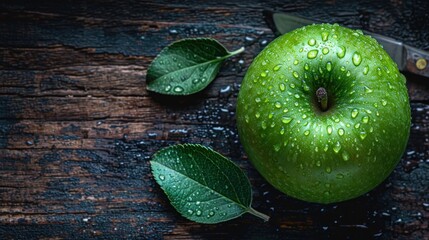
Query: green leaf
{"x": 203, "y": 185}
{"x": 186, "y": 66}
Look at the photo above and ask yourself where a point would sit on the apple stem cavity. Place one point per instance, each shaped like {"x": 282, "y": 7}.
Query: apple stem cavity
{"x": 322, "y": 98}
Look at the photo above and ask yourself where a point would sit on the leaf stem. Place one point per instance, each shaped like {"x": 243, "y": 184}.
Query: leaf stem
{"x": 240, "y": 50}
{"x": 258, "y": 214}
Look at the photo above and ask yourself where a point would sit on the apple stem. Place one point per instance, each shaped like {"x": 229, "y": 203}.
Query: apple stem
{"x": 322, "y": 98}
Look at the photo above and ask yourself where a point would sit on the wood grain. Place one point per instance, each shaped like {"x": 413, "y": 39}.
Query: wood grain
{"x": 78, "y": 128}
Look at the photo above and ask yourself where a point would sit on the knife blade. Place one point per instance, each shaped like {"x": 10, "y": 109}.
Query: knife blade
{"x": 408, "y": 58}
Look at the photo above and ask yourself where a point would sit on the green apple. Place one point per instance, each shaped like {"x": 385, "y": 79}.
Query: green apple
{"x": 323, "y": 113}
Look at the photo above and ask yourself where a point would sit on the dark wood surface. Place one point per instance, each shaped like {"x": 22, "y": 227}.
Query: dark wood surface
{"x": 78, "y": 128}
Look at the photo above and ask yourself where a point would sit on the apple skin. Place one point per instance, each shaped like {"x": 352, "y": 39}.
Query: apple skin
{"x": 318, "y": 155}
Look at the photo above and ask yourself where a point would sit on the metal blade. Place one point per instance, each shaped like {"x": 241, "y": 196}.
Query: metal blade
{"x": 285, "y": 23}
{"x": 406, "y": 57}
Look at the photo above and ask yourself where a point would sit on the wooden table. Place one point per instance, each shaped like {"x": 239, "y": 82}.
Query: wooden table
{"x": 78, "y": 128}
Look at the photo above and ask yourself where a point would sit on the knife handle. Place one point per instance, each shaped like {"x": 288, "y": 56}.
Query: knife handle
{"x": 417, "y": 61}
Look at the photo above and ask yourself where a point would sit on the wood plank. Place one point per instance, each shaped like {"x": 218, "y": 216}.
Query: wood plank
{"x": 78, "y": 128}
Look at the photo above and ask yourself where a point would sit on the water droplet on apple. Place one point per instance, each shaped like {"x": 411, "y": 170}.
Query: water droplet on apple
{"x": 345, "y": 156}
{"x": 387, "y": 70}
{"x": 325, "y": 36}
{"x": 379, "y": 71}
{"x": 356, "y": 59}
{"x": 167, "y": 88}
{"x": 292, "y": 85}
{"x": 178, "y": 89}
{"x": 318, "y": 163}
{"x": 367, "y": 89}
{"x": 278, "y": 105}
{"x": 343, "y": 69}
{"x": 355, "y": 112}
{"x": 340, "y": 176}
{"x": 329, "y": 66}
{"x": 295, "y": 74}
{"x": 383, "y": 102}
{"x": 348, "y": 73}
{"x": 295, "y": 62}
{"x": 341, "y": 52}
{"x": 263, "y": 74}
{"x": 282, "y": 87}
{"x": 285, "y": 143}
{"x": 246, "y": 118}
{"x": 365, "y": 119}
{"x": 305, "y": 87}
{"x": 337, "y": 147}
{"x": 276, "y": 147}
{"x": 307, "y": 132}
{"x": 277, "y": 67}
{"x": 312, "y": 54}
{"x": 264, "y": 125}
{"x": 326, "y": 148}
{"x": 286, "y": 120}
{"x": 306, "y": 66}
{"x": 257, "y": 115}
{"x": 297, "y": 96}
{"x": 341, "y": 132}
{"x": 329, "y": 129}
{"x": 365, "y": 70}
{"x": 312, "y": 42}
{"x": 328, "y": 169}
{"x": 161, "y": 177}
{"x": 325, "y": 50}
{"x": 357, "y": 125}
{"x": 362, "y": 135}
{"x": 258, "y": 100}
{"x": 198, "y": 213}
